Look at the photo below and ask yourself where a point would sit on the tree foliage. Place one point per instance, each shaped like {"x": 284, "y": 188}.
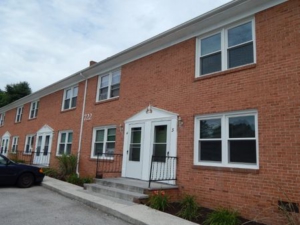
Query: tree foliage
{"x": 14, "y": 92}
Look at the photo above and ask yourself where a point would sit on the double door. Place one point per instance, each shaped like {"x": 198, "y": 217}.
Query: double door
{"x": 43, "y": 149}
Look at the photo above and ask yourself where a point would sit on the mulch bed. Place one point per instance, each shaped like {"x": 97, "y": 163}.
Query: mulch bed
{"x": 175, "y": 207}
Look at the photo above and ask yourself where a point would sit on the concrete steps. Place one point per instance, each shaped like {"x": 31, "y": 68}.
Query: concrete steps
{"x": 118, "y": 189}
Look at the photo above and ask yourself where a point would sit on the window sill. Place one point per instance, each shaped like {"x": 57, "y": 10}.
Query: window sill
{"x": 107, "y": 100}
{"x": 32, "y": 118}
{"x": 227, "y": 169}
{"x": 225, "y": 72}
{"x": 68, "y": 110}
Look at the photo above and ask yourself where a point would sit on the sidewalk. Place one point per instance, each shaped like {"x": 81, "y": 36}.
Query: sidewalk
{"x": 135, "y": 214}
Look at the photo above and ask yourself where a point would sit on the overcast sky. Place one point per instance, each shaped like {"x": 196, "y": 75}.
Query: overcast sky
{"x": 43, "y": 41}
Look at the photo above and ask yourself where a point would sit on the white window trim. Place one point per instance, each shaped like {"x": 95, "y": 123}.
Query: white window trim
{"x": 224, "y": 125}
{"x": 2, "y": 119}
{"x": 224, "y": 46}
{"x": 35, "y": 110}
{"x": 109, "y": 85}
{"x": 71, "y": 97}
{"x": 59, "y": 138}
{"x": 26, "y": 142}
{"x": 19, "y": 114}
{"x": 14, "y": 144}
{"x": 105, "y": 128}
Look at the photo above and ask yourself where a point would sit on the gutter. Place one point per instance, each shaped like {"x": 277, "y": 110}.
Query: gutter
{"x": 81, "y": 124}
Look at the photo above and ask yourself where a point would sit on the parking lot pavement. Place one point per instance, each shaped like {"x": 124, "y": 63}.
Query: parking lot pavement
{"x": 40, "y": 206}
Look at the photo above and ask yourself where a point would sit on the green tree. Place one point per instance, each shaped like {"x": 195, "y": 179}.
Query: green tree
{"x": 14, "y": 92}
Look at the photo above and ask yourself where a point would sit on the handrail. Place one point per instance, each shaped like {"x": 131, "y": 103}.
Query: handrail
{"x": 108, "y": 163}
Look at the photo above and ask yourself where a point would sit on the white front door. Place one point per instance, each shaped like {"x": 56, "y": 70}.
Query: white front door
{"x": 134, "y": 151}
{"x": 4, "y": 146}
{"x": 43, "y": 149}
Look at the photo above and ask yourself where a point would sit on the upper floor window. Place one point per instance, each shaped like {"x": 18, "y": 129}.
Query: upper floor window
{"x": 227, "y": 140}
{"x": 70, "y": 98}
{"x": 34, "y": 109}
{"x": 65, "y": 143}
{"x": 14, "y": 146}
{"x": 19, "y": 114}
{"x": 29, "y": 144}
{"x": 109, "y": 85}
{"x": 2, "y": 117}
{"x": 104, "y": 139}
{"x": 228, "y": 48}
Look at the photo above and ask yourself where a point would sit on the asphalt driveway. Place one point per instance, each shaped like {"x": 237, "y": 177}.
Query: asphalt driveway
{"x": 40, "y": 206}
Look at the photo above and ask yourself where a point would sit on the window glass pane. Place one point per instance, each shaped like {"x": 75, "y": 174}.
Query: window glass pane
{"x": 103, "y": 93}
{"x": 67, "y": 104}
{"x": 211, "y": 44}
{"x": 104, "y": 81}
{"x": 70, "y": 137}
{"x": 210, "y": 151}
{"x": 110, "y": 148}
{"x": 240, "y": 55}
{"x": 240, "y": 127}
{"x": 210, "y": 64}
{"x": 61, "y": 149}
{"x": 115, "y": 89}
{"x": 99, "y": 135}
{"x": 68, "y": 151}
{"x": 160, "y": 133}
{"x": 240, "y": 34}
{"x": 63, "y": 138}
{"x": 75, "y": 91}
{"x": 116, "y": 77}
{"x": 68, "y": 94}
{"x": 74, "y": 100}
{"x": 210, "y": 128}
{"x": 242, "y": 151}
{"x": 111, "y": 134}
{"x": 98, "y": 149}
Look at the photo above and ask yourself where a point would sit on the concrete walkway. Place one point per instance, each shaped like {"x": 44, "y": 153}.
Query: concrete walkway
{"x": 133, "y": 213}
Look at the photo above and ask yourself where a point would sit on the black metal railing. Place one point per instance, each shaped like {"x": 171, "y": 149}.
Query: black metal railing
{"x": 40, "y": 158}
{"x": 108, "y": 163}
{"x": 163, "y": 168}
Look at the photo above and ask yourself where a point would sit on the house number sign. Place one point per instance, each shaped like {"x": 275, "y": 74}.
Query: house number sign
{"x": 87, "y": 116}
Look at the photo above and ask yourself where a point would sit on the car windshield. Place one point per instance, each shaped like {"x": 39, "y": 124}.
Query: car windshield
{"x": 3, "y": 161}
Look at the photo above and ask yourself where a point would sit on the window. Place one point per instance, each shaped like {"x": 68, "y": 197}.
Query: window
{"x": 34, "y": 109}
{"x": 230, "y": 47}
{"x": 14, "y": 147}
{"x": 70, "y": 98}
{"x": 2, "y": 117}
{"x": 109, "y": 85}
{"x": 227, "y": 140}
{"x": 160, "y": 143}
{"x": 103, "y": 141}
{"x": 64, "y": 143}
{"x": 29, "y": 144}
{"x": 19, "y": 114}
{"x": 4, "y": 145}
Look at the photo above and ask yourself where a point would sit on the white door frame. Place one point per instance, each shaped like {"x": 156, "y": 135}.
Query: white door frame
{"x": 41, "y": 158}
{"x": 155, "y": 116}
{"x": 5, "y": 143}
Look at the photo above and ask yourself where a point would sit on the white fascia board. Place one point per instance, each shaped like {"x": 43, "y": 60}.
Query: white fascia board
{"x": 221, "y": 16}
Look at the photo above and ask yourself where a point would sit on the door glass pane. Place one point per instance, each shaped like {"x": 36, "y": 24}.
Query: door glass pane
{"x": 210, "y": 128}
{"x": 135, "y": 144}
{"x": 160, "y": 134}
{"x": 240, "y": 127}
{"x": 38, "y": 148}
{"x": 211, "y": 44}
{"x": 160, "y": 143}
{"x": 46, "y": 148}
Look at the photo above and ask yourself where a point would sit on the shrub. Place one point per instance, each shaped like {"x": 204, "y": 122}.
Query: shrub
{"x": 222, "y": 217}
{"x": 67, "y": 164}
{"x": 159, "y": 200}
{"x": 51, "y": 172}
{"x": 74, "y": 179}
{"x": 189, "y": 208}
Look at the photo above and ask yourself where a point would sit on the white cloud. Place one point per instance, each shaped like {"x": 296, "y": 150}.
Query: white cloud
{"x": 45, "y": 41}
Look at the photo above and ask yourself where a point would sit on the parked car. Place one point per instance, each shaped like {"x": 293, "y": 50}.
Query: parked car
{"x": 22, "y": 175}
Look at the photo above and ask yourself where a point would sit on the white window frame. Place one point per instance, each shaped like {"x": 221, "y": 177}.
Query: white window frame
{"x": 2, "y": 118}
{"x": 31, "y": 138}
{"x": 72, "y": 96}
{"x": 105, "y": 128}
{"x": 224, "y": 46}
{"x": 224, "y": 139}
{"x": 14, "y": 144}
{"x": 67, "y": 132}
{"x": 109, "y": 85}
{"x": 19, "y": 112}
{"x": 34, "y": 109}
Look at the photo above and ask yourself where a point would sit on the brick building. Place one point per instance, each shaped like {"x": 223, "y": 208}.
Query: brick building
{"x": 219, "y": 92}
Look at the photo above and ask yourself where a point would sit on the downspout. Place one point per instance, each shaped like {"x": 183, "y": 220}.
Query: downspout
{"x": 81, "y": 125}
